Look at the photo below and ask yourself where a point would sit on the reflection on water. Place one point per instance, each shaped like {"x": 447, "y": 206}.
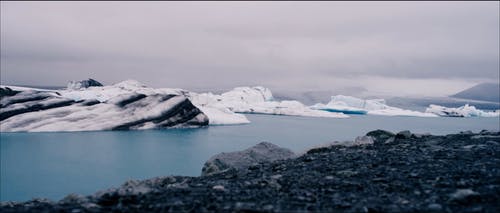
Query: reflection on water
{"x": 52, "y": 165}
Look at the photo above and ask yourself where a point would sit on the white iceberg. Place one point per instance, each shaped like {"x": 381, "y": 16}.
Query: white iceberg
{"x": 257, "y": 100}
{"x": 463, "y": 111}
{"x": 221, "y": 116}
{"x": 220, "y": 109}
{"x": 105, "y": 93}
{"x": 20, "y": 88}
{"x": 216, "y": 115}
{"x": 43, "y": 111}
{"x": 353, "y": 105}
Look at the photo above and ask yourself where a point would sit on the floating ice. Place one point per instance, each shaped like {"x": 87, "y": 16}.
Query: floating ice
{"x": 463, "y": 111}
{"x": 353, "y": 105}
{"x": 126, "y": 105}
{"x": 44, "y": 111}
{"x": 258, "y": 100}
{"x": 108, "y": 94}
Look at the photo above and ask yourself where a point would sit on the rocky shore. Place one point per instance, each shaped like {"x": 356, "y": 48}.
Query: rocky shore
{"x": 379, "y": 172}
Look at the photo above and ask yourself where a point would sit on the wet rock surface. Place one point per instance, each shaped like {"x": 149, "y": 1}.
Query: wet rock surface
{"x": 240, "y": 160}
{"x": 452, "y": 173}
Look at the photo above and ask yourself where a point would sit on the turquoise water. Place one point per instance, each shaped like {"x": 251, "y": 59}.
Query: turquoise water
{"x": 52, "y": 165}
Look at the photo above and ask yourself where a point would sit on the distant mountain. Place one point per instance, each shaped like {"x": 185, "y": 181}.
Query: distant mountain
{"x": 482, "y": 92}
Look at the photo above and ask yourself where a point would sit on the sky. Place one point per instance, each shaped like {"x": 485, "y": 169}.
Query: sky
{"x": 393, "y": 48}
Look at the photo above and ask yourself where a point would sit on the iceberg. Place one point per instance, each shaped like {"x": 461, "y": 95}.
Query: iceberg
{"x": 87, "y": 106}
{"x": 216, "y": 115}
{"x": 353, "y": 105}
{"x": 463, "y": 111}
{"x": 256, "y": 100}
{"x": 106, "y": 94}
{"x": 222, "y": 116}
{"x": 74, "y": 85}
{"x": 37, "y": 111}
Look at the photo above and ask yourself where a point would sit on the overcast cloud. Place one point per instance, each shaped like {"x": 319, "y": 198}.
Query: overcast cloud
{"x": 406, "y": 48}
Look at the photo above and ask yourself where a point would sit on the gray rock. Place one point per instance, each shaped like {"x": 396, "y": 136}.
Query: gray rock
{"x": 278, "y": 176}
{"x": 484, "y": 136}
{"x": 218, "y": 188}
{"x": 347, "y": 173}
{"x": 361, "y": 140}
{"x": 492, "y": 143}
{"x": 134, "y": 187}
{"x": 380, "y": 136}
{"x": 435, "y": 207}
{"x": 262, "y": 152}
{"x": 390, "y": 140}
{"x": 403, "y": 135}
{"x": 420, "y": 135}
{"x": 462, "y": 194}
{"x": 74, "y": 198}
{"x": 474, "y": 146}
{"x": 468, "y": 132}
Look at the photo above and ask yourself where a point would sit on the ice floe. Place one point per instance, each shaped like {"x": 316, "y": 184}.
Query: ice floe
{"x": 40, "y": 111}
{"x": 463, "y": 111}
{"x": 353, "y": 105}
{"x": 258, "y": 100}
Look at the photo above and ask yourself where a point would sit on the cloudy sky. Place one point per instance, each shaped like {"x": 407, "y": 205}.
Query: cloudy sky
{"x": 404, "y": 48}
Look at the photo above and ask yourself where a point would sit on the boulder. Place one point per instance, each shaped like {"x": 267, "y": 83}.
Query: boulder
{"x": 404, "y": 135}
{"x": 362, "y": 140}
{"x": 240, "y": 160}
{"x": 380, "y": 136}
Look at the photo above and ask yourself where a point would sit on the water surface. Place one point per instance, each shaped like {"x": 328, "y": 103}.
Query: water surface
{"x": 52, "y": 165}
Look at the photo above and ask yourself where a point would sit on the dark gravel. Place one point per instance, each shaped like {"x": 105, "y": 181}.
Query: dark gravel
{"x": 398, "y": 173}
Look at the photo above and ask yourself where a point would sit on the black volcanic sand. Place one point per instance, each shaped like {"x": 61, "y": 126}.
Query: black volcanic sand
{"x": 402, "y": 173}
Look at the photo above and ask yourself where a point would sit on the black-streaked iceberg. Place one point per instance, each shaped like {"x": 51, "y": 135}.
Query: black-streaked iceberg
{"x": 61, "y": 110}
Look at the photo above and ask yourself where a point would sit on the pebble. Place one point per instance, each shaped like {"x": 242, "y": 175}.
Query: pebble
{"x": 462, "y": 194}
{"x": 278, "y": 176}
{"x": 414, "y": 174}
{"x": 218, "y": 187}
{"x": 435, "y": 207}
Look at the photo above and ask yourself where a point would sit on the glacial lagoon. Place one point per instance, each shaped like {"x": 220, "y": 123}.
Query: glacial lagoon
{"x": 52, "y": 165}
